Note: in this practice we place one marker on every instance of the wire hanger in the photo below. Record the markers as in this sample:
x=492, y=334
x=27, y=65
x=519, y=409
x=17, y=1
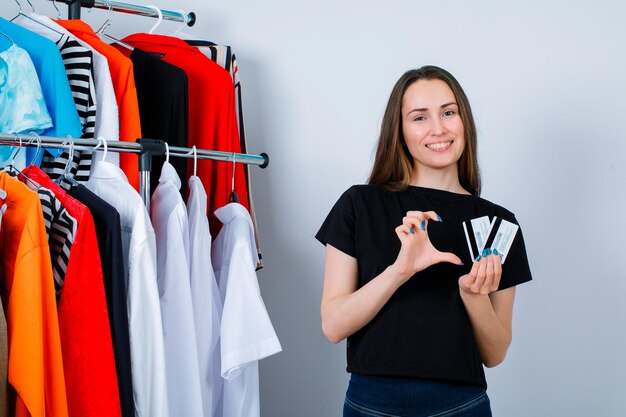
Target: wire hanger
x=193, y=152
x=102, y=141
x=167, y=152
x=70, y=159
x=160, y=17
x=233, y=198
x=107, y=24
x=38, y=146
x=54, y=3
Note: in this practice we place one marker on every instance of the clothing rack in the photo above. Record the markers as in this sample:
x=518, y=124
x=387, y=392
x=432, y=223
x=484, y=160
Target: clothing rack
x=74, y=6
x=146, y=148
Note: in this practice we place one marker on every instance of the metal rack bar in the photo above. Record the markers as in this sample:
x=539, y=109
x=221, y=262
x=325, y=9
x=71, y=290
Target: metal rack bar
x=146, y=148
x=74, y=7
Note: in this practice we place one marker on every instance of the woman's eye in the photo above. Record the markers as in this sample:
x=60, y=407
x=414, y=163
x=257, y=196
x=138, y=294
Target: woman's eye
x=449, y=113
x=419, y=118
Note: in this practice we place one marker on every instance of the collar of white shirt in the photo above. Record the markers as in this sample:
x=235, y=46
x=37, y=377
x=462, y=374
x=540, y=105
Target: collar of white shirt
x=106, y=170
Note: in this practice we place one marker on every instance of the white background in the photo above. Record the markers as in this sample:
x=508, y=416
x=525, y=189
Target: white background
x=547, y=84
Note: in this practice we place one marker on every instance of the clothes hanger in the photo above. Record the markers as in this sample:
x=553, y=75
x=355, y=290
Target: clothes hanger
x=21, y=13
x=106, y=25
x=159, y=20
x=37, y=152
x=233, y=198
x=12, y=169
x=66, y=172
x=102, y=141
x=195, y=159
x=8, y=37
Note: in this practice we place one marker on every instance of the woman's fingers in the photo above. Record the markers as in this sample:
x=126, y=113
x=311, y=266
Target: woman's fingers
x=480, y=275
x=497, y=271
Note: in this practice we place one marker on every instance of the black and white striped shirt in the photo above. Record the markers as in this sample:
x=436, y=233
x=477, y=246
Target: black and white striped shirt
x=78, y=62
x=61, y=230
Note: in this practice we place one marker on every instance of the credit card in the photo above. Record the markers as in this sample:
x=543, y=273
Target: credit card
x=501, y=236
x=476, y=233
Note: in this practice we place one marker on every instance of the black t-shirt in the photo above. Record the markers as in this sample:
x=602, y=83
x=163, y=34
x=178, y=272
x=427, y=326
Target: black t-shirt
x=423, y=331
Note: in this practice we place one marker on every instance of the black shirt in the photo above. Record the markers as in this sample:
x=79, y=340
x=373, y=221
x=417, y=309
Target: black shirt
x=162, y=95
x=109, y=234
x=423, y=331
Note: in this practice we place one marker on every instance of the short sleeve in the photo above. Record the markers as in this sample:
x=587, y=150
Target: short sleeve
x=339, y=227
x=515, y=269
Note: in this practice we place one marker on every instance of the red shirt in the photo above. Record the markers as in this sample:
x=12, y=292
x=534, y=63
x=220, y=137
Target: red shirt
x=86, y=344
x=212, y=116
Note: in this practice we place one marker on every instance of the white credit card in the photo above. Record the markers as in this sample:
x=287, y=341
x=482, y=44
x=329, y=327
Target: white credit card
x=501, y=236
x=476, y=233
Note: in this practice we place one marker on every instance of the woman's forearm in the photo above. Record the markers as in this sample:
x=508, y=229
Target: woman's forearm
x=345, y=314
x=492, y=337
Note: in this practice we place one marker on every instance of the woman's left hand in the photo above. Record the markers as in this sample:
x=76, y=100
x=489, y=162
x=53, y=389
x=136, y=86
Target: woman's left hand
x=484, y=277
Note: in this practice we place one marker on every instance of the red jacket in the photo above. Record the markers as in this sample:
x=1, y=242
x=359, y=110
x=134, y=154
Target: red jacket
x=212, y=117
x=86, y=344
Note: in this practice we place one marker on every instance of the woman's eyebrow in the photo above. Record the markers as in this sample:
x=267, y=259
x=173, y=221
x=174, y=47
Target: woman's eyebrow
x=452, y=103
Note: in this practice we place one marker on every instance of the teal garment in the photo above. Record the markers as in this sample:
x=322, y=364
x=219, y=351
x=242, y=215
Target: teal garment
x=22, y=106
x=53, y=80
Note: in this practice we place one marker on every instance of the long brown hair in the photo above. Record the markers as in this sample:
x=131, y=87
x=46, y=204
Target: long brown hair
x=393, y=164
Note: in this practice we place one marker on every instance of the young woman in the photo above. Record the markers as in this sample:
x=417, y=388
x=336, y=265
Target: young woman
x=421, y=317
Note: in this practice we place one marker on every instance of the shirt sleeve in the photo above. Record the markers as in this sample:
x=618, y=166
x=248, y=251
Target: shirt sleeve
x=339, y=227
x=515, y=269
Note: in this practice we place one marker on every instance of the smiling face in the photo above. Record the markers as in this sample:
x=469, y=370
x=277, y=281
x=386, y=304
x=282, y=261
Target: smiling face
x=432, y=126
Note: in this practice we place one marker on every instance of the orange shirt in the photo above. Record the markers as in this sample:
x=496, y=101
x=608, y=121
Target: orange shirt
x=125, y=92
x=35, y=361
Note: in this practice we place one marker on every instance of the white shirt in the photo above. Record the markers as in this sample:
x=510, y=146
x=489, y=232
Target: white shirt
x=169, y=217
x=107, y=115
x=247, y=335
x=144, y=312
x=205, y=297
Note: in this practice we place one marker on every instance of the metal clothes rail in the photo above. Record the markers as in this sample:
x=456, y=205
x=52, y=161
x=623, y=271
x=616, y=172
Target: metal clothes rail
x=74, y=7
x=145, y=148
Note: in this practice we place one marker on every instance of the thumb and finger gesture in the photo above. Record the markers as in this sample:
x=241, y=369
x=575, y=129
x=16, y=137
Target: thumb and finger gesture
x=417, y=252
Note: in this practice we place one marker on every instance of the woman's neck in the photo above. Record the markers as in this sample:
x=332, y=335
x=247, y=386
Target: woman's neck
x=446, y=179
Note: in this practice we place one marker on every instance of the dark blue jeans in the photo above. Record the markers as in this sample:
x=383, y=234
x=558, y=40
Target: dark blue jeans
x=373, y=396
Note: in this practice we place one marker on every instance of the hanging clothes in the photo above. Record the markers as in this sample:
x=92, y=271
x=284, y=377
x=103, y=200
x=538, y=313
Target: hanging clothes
x=125, y=92
x=224, y=56
x=107, y=119
x=78, y=62
x=163, y=98
x=171, y=227
x=53, y=80
x=246, y=335
x=212, y=118
x=22, y=106
x=35, y=361
x=60, y=229
x=83, y=319
x=109, y=235
x=4, y=363
x=144, y=311
x=205, y=297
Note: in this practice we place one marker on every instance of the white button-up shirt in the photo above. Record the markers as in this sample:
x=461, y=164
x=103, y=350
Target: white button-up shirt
x=144, y=312
x=247, y=335
x=205, y=297
x=169, y=217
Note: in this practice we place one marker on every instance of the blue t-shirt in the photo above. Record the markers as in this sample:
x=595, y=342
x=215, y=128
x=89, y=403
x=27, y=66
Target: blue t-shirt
x=53, y=80
x=22, y=107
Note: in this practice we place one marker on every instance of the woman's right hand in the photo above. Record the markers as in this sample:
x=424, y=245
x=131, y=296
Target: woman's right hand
x=417, y=252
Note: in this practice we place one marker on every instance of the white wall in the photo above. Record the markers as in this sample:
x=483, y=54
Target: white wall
x=546, y=81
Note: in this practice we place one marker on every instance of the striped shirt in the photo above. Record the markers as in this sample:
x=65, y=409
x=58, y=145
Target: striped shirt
x=61, y=229
x=78, y=62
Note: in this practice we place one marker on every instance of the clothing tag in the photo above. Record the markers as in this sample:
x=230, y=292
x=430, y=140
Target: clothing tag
x=476, y=232
x=501, y=236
